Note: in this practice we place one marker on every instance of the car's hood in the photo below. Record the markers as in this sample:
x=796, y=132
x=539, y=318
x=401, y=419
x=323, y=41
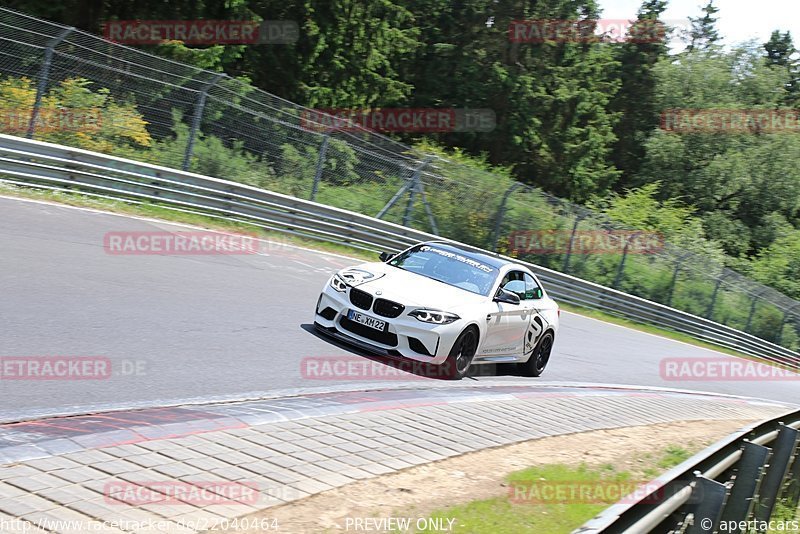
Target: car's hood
x=412, y=289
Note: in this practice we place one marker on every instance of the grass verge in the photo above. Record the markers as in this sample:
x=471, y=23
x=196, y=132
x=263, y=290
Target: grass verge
x=555, y=498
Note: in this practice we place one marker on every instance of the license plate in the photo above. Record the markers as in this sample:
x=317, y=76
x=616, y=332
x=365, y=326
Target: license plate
x=366, y=320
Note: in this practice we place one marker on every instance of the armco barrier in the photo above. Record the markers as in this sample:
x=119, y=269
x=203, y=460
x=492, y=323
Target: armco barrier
x=49, y=166
x=740, y=481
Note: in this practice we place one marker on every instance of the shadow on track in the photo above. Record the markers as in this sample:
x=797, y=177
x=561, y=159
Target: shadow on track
x=409, y=369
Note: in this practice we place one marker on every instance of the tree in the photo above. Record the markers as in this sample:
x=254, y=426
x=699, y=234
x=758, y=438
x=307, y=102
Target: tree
x=703, y=34
x=781, y=54
x=779, y=264
x=738, y=180
x=636, y=100
x=348, y=53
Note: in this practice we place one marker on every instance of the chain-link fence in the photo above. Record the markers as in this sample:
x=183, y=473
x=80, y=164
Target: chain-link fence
x=161, y=111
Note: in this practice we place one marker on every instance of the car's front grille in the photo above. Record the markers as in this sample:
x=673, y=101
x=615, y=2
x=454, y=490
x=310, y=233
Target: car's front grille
x=387, y=308
x=360, y=298
x=384, y=338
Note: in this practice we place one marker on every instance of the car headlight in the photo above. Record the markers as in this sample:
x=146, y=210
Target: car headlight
x=338, y=283
x=434, y=316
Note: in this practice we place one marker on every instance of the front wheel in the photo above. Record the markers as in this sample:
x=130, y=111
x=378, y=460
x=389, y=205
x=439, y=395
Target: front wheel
x=460, y=357
x=539, y=358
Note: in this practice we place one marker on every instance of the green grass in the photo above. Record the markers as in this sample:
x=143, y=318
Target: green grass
x=783, y=513
x=212, y=223
x=502, y=514
x=673, y=455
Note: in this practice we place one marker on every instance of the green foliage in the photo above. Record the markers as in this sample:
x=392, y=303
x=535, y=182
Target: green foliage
x=704, y=35
x=74, y=112
x=779, y=264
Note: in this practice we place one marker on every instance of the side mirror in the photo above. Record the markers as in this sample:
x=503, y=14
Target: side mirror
x=385, y=256
x=506, y=296
x=538, y=293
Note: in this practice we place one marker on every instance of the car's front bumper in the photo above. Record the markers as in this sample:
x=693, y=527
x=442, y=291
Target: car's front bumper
x=405, y=336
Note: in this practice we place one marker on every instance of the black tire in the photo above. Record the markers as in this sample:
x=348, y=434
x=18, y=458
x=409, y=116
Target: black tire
x=539, y=357
x=458, y=361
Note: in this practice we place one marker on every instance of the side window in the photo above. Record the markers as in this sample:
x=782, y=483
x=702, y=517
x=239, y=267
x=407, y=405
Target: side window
x=532, y=289
x=515, y=283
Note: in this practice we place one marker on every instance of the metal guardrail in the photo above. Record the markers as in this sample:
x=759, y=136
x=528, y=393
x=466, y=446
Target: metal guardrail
x=739, y=479
x=49, y=166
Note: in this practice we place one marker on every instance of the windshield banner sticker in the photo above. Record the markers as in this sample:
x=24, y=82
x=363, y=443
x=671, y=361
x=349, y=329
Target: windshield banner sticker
x=457, y=257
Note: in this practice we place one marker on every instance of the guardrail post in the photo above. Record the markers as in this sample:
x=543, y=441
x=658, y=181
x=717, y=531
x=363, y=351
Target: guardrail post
x=793, y=488
x=706, y=507
x=782, y=450
x=198, y=115
x=323, y=149
x=501, y=213
x=749, y=472
x=44, y=77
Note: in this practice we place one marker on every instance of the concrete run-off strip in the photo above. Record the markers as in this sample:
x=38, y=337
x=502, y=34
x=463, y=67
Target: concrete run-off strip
x=192, y=468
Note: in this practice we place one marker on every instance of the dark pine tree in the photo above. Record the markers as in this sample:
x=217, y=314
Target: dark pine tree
x=635, y=101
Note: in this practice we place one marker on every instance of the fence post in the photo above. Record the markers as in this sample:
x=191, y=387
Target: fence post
x=621, y=268
x=415, y=182
x=44, y=77
x=578, y=219
x=710, y=310
x=323, y=149
x=752, y=312
x=428, y=211
x=410, y=185
x=785, y=320
x=674, y=280
x=501, y=213
x=198, y=115
x=410, y=204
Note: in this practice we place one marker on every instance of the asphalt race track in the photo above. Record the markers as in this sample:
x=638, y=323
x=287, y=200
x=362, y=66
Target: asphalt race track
x=177, y=327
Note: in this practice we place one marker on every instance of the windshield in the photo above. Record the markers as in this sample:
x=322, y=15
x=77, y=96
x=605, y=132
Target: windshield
x=451, y=268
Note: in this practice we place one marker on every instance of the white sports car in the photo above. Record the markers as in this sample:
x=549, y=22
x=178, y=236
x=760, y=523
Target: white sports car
x=442, y=305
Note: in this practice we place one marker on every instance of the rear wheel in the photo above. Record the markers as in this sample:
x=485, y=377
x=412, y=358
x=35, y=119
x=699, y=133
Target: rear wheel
x=460, y=357
x=539, y=358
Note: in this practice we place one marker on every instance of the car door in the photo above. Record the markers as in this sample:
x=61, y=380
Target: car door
x=507, y=323
x=535, y=325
